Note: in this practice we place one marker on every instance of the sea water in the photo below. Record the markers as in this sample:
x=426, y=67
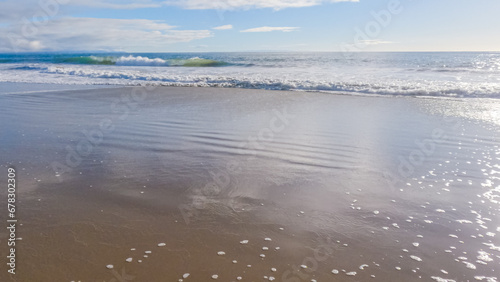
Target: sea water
x=451, y=74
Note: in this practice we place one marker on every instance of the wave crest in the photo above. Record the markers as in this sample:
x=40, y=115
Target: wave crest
x=90, y=60
x=140, y=61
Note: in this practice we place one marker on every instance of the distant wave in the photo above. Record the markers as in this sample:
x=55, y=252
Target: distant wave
x=90, y=60
x=142, y=61
x=191, y=62
x=29, y=67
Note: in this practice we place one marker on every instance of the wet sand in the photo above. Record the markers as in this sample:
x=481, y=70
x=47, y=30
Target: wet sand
x=377, y=188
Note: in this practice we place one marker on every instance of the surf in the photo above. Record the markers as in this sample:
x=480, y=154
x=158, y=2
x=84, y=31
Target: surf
x=141, y=61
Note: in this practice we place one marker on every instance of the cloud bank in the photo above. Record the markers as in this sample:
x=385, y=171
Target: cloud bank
x=248, y=4
x=48, y=25
x=94, y=34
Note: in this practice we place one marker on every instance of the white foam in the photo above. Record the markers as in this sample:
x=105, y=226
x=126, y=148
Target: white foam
x=488, y=279
x=415, y=258
x=492, y=246
x=484, y=256
x=140, y=70
x=439, y=279
x=140, y=61
x=469, y=265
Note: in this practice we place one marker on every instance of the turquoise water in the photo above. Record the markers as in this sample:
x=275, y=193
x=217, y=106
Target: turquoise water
x=415, y=74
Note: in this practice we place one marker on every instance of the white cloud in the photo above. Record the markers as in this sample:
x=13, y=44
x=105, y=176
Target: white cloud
x=202, y=46
x=270, y=28
x=248, y=4
x=223, y=27
x=13, y=11
x=375, y=42
x=116, y=4
x=95, y=34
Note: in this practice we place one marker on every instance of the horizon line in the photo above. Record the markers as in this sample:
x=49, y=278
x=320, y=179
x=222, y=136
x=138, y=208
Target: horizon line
x=246, y=51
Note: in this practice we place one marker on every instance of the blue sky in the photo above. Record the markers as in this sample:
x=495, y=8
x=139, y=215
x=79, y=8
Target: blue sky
x=245, y=25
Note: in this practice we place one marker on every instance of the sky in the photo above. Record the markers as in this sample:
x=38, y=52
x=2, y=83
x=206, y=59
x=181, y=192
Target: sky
x=246, y=25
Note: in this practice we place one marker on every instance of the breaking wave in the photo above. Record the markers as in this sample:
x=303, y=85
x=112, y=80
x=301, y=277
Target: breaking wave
x=142, y=61
x=407, y=74
x=90, y=75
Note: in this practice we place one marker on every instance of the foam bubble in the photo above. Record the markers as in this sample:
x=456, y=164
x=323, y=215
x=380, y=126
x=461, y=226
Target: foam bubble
x=352, y=273
x=439, y=279
x=415, y=258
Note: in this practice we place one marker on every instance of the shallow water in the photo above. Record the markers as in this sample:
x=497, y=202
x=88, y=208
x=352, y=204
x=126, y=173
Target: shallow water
x=404, y=189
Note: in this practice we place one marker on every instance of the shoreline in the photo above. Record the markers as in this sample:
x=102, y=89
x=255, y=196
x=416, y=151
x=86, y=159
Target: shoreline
x=72, y=87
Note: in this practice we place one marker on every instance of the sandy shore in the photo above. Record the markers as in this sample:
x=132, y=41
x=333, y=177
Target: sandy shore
x=376, y=188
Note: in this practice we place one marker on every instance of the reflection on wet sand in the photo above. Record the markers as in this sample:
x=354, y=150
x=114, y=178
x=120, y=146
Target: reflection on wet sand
x=229, y=184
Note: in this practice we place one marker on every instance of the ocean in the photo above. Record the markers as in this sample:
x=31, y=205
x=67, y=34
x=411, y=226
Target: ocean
x=464, y=75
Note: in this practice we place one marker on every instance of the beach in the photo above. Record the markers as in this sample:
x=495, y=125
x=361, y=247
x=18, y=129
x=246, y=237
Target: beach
x=251, y=183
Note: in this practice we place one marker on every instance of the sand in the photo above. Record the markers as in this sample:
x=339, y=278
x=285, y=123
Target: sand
x=228, y=184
